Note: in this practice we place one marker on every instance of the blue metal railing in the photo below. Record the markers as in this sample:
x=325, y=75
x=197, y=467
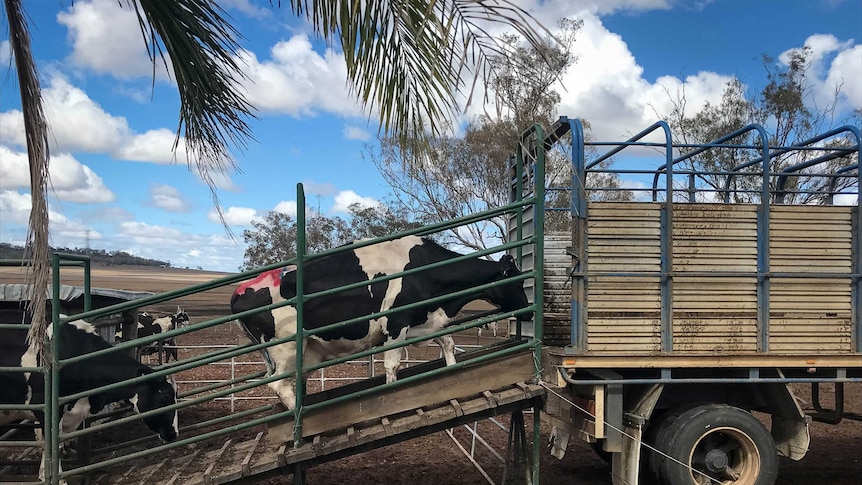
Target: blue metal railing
x=770, y=190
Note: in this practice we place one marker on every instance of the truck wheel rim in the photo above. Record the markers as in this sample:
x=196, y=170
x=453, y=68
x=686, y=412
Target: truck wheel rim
x=726, y=456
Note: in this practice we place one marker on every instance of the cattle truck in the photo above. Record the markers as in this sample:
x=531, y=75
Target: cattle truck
x=690, y=290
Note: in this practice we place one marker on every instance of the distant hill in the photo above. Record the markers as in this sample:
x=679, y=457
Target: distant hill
x=97, y=256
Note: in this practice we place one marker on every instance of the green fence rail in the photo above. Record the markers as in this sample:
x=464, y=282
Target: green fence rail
x=528, y=165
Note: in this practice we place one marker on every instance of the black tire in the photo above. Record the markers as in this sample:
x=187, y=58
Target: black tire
x=724, y=443
x=658, y=427
x=649, y=458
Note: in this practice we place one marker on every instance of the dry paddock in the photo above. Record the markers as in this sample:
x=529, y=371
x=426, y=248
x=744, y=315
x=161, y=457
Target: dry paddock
x=835, y=456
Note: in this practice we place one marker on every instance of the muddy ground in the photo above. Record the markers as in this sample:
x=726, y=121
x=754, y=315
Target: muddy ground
x=835, y=455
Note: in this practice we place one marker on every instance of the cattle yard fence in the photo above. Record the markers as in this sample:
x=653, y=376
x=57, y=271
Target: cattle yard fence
x=520, y=352
x=322, y=380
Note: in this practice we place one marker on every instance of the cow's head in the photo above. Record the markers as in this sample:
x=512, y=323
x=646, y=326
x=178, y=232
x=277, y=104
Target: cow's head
x=155, y=394
x=509, y=296
x=180, y=319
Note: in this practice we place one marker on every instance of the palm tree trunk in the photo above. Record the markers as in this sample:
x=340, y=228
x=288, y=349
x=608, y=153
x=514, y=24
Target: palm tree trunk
x=36, y=132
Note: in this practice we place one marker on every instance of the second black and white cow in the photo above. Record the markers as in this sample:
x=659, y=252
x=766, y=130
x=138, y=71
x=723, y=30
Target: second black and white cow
x=80, y=338
x=149, y=325
x=366, y=264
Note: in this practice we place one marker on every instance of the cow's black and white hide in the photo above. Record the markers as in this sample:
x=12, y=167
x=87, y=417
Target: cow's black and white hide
x=80, y=338
x=149, y=325
x=365, y=264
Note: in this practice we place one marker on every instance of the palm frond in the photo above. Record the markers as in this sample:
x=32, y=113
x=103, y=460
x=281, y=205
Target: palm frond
x=198, y=44
x=409, y=57
x=36, y=132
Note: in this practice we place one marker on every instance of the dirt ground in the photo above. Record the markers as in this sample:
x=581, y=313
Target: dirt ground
x=834, y=458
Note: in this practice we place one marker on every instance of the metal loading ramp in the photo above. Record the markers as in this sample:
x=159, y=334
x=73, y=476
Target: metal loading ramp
x=493, y=387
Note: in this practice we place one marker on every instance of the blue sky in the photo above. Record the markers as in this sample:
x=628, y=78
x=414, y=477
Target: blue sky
x=117, y=183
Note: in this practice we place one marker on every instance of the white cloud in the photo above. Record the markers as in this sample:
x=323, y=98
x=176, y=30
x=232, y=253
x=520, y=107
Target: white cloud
x=356, y=133
x=821, y=45
x=106, y=214
x=76, y=182
x=168, y=198
x=180, y=248
x=15, y=209
x=77, y=123
x=835, y=65
x=846, y=71
x=246, y=7
x=298, y=81
x=14, y=169
x=220, y=181
x=345, y=198
x=69, y=180
x=153, y=146
x=235, y=216
x=150, y=235
x=549, y=12
x=12, y=127
x=106, y=39
x=211, y=251
x=286, y=207
x=845, y=199
x=72, y=233
x=5, y=52
x=615, y=98
x=699, y=89
x=312, y=187
x=606, y=86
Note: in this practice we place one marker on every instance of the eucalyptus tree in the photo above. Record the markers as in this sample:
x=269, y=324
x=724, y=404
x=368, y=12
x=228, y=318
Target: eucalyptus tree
x=274, y=237
x=462, y=175
x=411, y=59
x=786, y=107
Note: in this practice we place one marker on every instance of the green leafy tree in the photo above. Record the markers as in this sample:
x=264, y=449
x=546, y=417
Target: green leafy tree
x=459, y=176
x=269, y=241
x=273, y=239
x=407, y=58
x=378, y=221
x=784, y=107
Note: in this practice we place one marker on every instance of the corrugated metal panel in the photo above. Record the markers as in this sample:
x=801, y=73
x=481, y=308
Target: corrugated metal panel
x=21, y=292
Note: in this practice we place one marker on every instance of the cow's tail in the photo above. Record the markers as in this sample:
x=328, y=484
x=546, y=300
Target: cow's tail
x=257, y=339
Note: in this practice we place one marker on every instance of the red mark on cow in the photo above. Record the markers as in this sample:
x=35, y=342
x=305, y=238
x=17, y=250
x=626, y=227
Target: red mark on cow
x=268, y=279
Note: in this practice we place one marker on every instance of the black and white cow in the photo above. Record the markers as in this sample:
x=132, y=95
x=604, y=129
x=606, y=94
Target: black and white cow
x=149, y=325
x=365, y=264
x=79, y=338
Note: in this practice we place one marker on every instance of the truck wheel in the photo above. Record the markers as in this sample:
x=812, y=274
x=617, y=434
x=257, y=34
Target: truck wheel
x=718, y=444
x=660, y=424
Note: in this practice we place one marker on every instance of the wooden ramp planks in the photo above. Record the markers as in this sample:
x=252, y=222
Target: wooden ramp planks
x=473, y=379
x=476, y=391
x=263, y=457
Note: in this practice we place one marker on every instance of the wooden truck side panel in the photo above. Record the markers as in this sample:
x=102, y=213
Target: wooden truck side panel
x=714, y=290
